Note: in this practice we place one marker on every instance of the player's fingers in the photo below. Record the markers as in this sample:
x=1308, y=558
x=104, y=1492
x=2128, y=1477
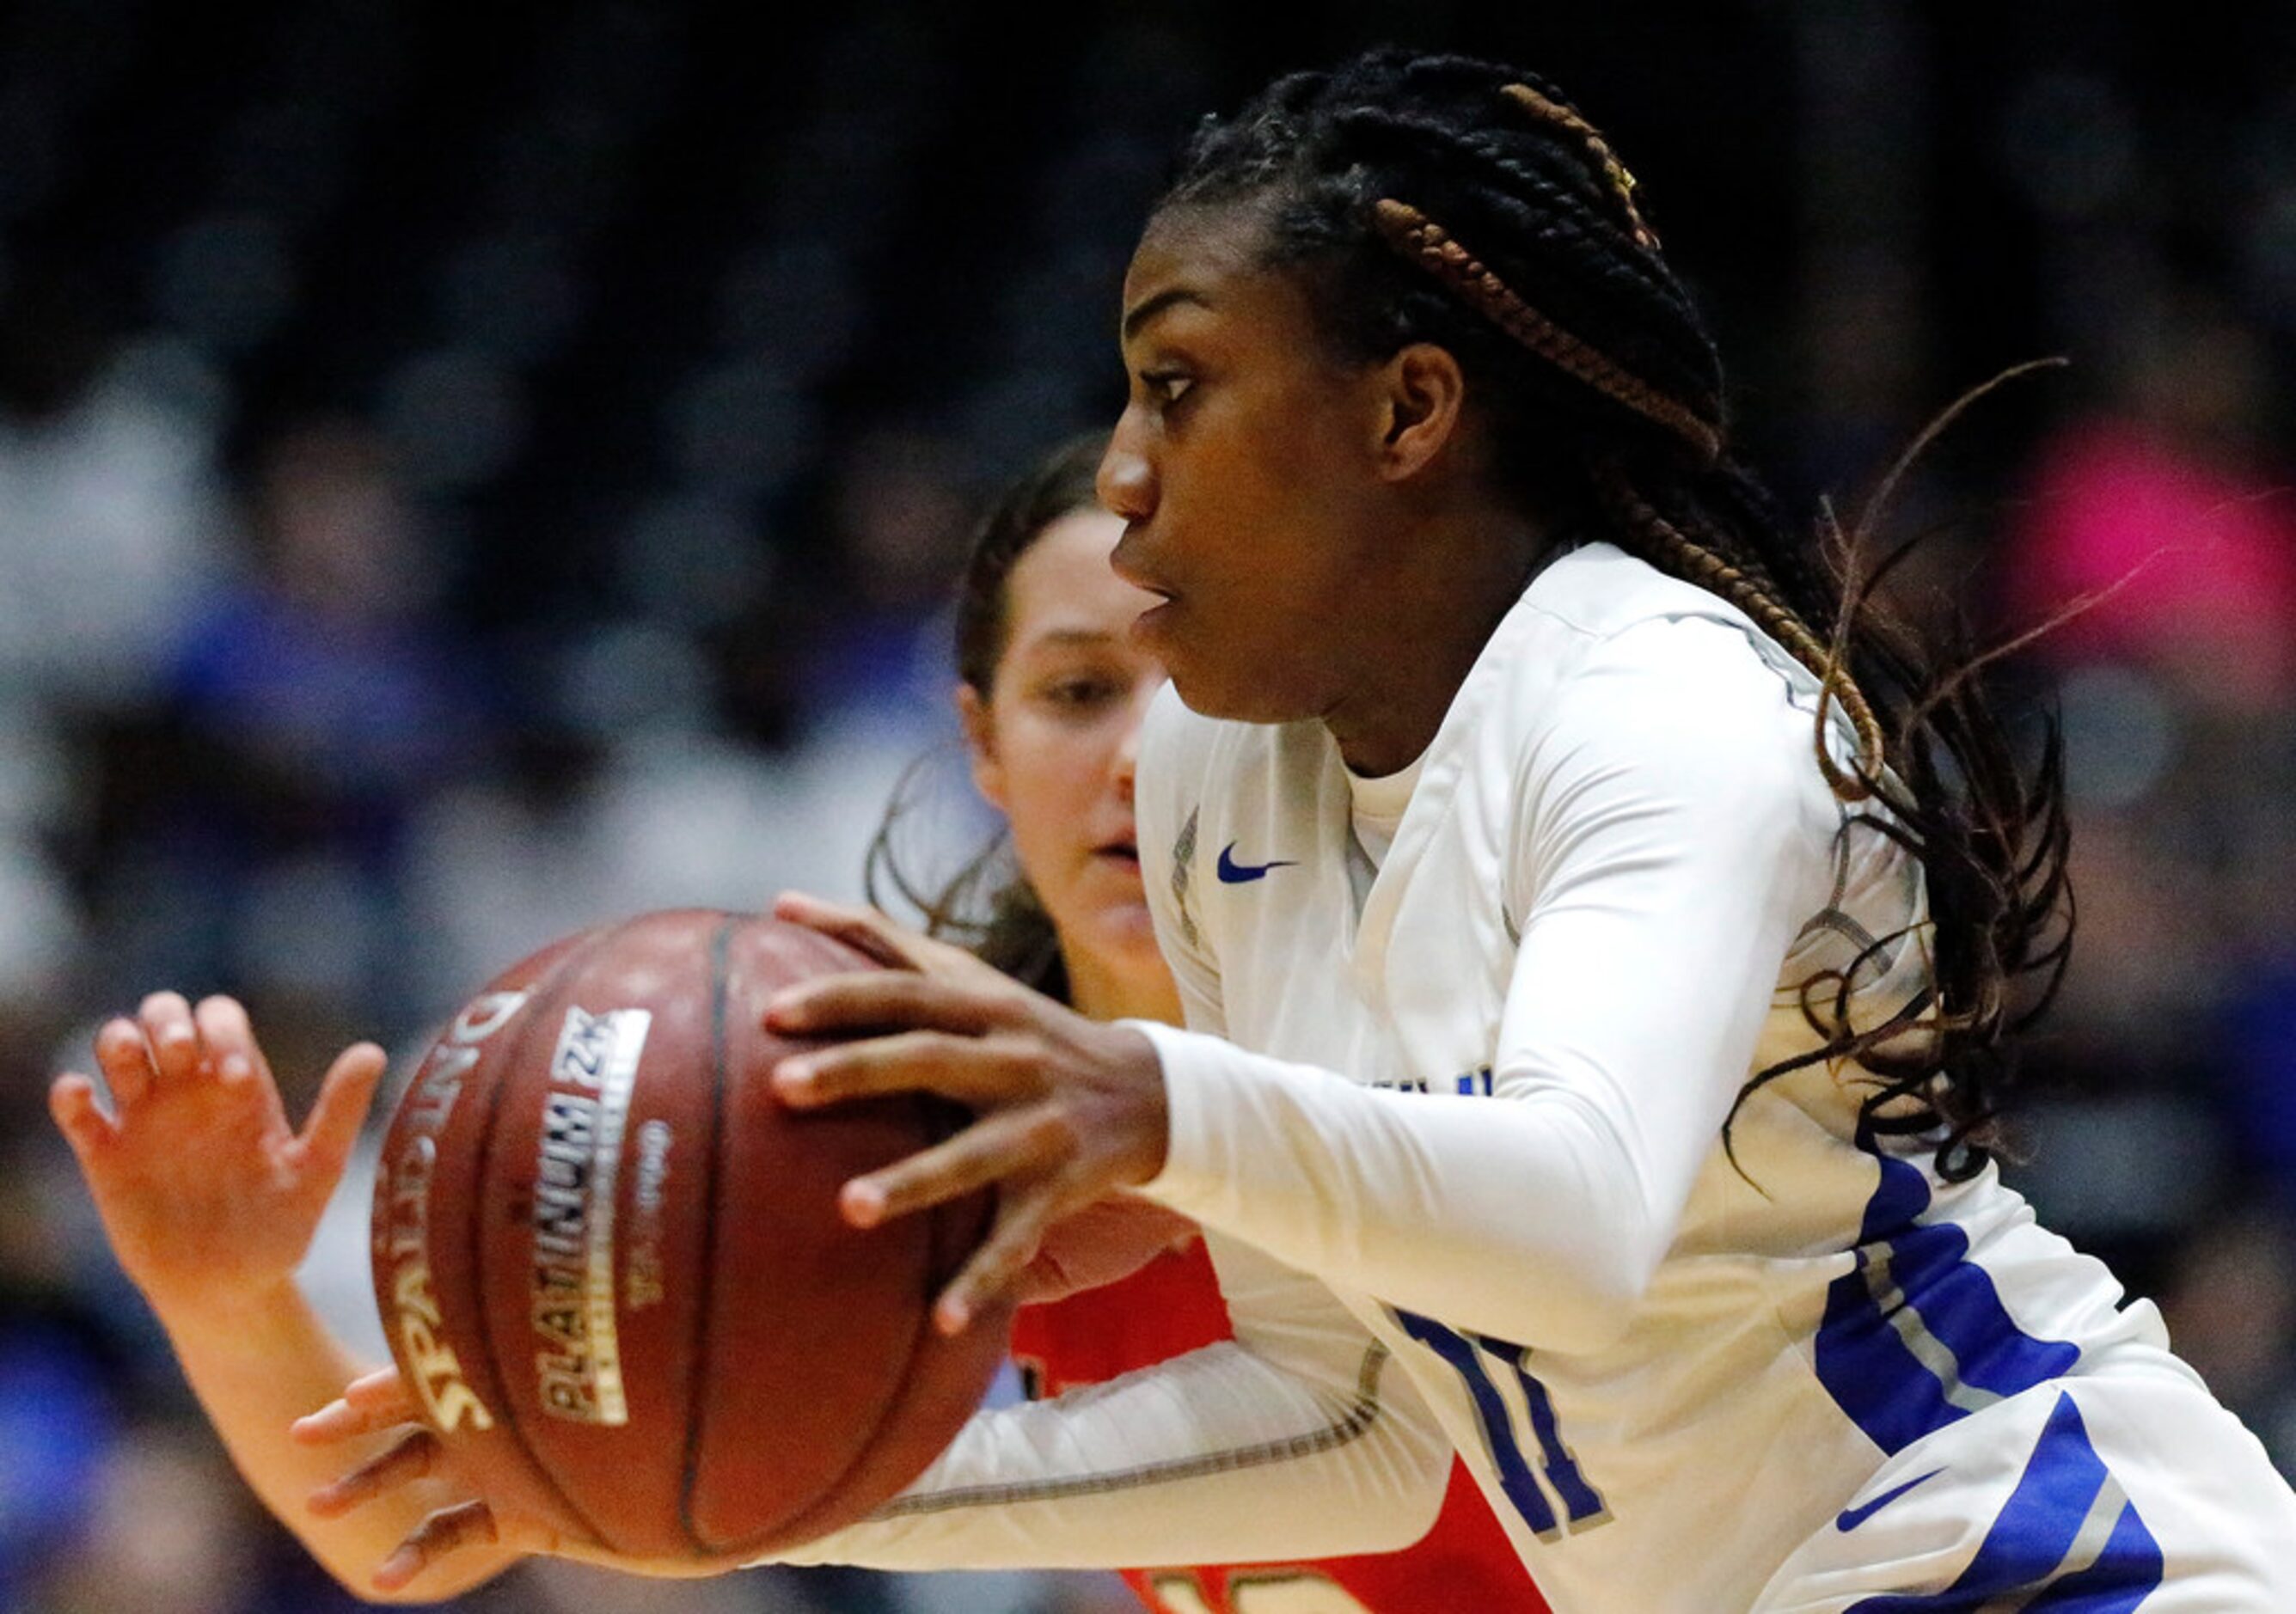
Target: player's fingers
x=410, y=1457
x=992, y=1148
x=230, y=1042
x=882, y=937
x=966, y=1069
x=124, y=1054
x=891, y=1000
x=993, y=1272
x=175, y=1038
x=341, y=1107
x=863, y=929
x=233, y=1066
x=465, y=1524
x=372, y=1401
x=71, y=1102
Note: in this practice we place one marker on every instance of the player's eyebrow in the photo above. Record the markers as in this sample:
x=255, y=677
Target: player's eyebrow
x=1166, y=299
x=1061, y=637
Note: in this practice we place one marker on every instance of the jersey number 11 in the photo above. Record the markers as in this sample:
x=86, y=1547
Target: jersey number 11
x=1507, y=1419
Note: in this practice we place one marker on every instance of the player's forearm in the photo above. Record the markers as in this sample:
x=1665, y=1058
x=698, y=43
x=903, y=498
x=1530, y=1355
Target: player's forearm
x=1416, y=1199
x=258, y=1363
x=1217, y=1456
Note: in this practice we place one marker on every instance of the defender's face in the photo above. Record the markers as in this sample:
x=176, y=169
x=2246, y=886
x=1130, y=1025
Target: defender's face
x=1243, y=468
x=1055, y=735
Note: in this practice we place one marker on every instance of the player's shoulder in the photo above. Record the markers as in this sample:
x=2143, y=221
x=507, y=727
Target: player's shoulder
x=1605, y=600
x=1599, y=617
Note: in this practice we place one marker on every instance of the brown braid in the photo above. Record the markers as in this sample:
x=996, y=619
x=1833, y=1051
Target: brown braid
x=1427, y=243
x=1623, y=183
x=1671, y=551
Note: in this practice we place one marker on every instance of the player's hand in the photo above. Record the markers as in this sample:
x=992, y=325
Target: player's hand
x=208, y=1193
x=458, y=1519
x=872, y=932
x=380, y=1403
x=1108, y=1240
x=1068, y=1111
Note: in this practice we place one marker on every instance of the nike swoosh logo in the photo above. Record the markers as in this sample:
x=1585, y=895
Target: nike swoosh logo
x=1850, y=1519
x=1234, y=873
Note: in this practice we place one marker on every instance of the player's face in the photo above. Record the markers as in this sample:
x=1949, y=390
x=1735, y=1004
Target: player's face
x=1054, y=737
x=1243, y=467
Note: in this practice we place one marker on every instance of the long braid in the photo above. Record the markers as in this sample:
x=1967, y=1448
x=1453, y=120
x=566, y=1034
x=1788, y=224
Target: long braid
x=1440, y=199
x=1546, y=181
x=1662, y=543
x=1745, y=582
x=1421, y=238
x=1554, y=111
x=1413, y=233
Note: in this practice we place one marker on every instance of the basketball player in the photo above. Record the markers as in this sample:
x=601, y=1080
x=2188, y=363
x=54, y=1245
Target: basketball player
x=1600, y=930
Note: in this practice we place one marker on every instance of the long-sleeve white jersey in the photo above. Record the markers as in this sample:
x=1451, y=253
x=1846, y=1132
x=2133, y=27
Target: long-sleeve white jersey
x=1481, y=1091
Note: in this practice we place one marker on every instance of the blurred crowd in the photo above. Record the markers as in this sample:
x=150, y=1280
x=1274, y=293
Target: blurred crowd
x=466, y=478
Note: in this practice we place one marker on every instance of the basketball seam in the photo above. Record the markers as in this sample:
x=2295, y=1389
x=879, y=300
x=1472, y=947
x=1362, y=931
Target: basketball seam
x=551, y=983
x=698, y=1364
x=797, y=1524
x=1362, y=1412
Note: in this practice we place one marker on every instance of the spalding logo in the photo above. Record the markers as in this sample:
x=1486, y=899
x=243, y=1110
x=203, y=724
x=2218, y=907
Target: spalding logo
x=403, y=1239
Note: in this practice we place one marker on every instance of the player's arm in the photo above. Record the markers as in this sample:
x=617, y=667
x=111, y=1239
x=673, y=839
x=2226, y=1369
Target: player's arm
x=1675, y=834
x=1681, y=832
x=209, y=1198
x=1297, y=1439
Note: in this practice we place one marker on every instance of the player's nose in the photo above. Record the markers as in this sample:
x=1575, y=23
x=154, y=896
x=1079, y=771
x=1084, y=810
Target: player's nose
x=1126, y=483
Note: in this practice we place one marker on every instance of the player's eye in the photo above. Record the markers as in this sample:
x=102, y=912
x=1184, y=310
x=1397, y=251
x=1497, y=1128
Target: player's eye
x=1166, y=387
x=1082, y=693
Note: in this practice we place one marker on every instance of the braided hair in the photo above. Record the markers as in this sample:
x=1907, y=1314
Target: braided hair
x=1445, y=200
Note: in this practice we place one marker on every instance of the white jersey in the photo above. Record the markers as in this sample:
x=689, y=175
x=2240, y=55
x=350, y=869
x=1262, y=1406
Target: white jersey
x=1479, y=1089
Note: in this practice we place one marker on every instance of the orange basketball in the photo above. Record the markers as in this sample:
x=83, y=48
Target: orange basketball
x=611, y=1266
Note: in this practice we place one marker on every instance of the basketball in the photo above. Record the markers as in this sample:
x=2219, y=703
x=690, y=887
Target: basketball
x=611, y=1267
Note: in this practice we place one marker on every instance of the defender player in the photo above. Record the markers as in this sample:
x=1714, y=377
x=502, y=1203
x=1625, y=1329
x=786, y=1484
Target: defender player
x=1052, y=694
x=1601, y=930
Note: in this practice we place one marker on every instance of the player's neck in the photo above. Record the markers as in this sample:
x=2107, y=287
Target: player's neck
x=1453, y=581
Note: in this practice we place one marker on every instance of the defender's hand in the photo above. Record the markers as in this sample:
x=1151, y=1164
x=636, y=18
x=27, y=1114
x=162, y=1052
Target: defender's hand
x=208, y=1193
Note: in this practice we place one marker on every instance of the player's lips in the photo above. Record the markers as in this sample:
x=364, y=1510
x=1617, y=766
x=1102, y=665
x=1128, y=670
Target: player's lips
x=1125, y=568
x=1148, y=628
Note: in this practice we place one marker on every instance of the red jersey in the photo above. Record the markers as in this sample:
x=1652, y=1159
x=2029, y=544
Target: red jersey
x=1173, y=1305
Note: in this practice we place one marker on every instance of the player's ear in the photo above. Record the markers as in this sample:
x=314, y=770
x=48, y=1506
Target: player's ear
x=1422, y=392
x=980, y=745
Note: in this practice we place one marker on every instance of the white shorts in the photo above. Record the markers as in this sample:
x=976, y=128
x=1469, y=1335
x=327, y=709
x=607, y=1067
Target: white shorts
x=2105, y=1491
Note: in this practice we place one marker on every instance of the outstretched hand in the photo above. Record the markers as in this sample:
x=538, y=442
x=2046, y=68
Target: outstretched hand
x=1068, y=1111
x=207, y=1193
x=380, y=1403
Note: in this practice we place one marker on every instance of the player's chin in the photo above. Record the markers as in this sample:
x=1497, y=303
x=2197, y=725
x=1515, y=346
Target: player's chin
x=1120, y=922
x=1217, y=687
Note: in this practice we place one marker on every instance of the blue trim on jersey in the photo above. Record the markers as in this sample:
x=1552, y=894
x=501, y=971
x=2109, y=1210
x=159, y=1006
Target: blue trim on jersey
x=2049, y=1522
x=1914, y=1334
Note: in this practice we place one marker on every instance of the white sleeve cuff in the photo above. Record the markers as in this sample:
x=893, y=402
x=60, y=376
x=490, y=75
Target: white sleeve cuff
x=1194, y=1158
